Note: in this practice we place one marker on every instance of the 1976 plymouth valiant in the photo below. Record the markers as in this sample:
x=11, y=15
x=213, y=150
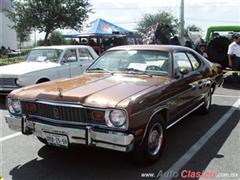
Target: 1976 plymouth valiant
x=124, y=101
x=44, y=64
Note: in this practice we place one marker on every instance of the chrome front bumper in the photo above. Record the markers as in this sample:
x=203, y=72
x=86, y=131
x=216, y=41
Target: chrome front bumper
x=118, y=141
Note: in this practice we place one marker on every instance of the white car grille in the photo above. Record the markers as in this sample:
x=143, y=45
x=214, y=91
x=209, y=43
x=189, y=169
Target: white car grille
x=7, y=82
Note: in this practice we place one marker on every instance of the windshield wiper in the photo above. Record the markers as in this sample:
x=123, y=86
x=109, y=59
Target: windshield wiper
x=101, y=69
x=134, y=71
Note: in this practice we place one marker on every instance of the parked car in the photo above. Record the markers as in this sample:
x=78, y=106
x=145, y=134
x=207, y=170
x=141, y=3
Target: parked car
x=44, y=64
x=124, y=101
x=101, y=42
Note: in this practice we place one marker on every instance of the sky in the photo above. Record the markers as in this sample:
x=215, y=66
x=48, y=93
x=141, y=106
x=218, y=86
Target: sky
x=204, y=13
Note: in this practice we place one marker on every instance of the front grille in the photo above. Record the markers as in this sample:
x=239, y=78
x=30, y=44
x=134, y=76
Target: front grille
x=7, y=82
x=64, y=113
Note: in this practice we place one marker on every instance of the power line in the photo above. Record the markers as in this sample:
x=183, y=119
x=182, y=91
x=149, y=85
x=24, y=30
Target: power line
x=213, y=20
x=160, y=7
x=130, y=22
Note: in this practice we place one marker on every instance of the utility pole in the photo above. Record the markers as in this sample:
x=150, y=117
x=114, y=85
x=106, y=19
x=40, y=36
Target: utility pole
x=182, y=17
x=35, y=39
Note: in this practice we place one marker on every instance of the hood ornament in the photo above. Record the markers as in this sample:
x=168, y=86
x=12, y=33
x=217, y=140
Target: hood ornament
x=59, y=92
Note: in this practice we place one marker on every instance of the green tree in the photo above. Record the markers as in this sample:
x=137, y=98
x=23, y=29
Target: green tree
x=41, y=42
x=48, y=15
x=22, y=36
x=165, y=16
x=55, y=38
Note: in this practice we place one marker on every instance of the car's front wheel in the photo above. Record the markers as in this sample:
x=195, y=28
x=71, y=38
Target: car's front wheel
x=152, y=146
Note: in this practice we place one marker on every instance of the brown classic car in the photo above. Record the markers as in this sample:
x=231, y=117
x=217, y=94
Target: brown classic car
x=124, y=101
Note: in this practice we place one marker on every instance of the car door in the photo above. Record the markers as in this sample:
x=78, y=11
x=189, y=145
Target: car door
x=70, y=64
x=187, y=85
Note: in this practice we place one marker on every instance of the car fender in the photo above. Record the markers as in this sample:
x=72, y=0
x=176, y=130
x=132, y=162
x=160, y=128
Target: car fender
x=30, y=79
x=163, y=110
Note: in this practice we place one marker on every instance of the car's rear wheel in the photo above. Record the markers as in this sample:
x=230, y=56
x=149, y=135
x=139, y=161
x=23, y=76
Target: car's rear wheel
x=205, y=108
x=152, y=146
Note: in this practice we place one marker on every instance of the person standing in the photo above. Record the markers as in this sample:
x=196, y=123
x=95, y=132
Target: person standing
x=4, y=53
x=48, y=43
x=234, y=58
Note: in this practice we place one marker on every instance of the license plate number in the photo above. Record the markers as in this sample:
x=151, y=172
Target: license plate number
x=57, y=140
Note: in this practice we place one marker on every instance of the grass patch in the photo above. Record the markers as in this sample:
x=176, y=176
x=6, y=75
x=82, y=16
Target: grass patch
x=12, y=60
x=16, y=59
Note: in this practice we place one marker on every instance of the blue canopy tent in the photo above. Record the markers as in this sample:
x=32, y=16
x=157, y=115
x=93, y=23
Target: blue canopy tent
x=102, y=27
x=69, y=34
x=97, y=27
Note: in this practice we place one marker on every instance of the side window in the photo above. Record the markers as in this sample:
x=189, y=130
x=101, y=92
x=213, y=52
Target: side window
x=84, y=55
x=83, y=40
x=194, y=61
x=181, y=61
x=93, y=41
x=69, y=56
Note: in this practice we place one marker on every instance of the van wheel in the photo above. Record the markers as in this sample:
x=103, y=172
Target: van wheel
x=152, y=146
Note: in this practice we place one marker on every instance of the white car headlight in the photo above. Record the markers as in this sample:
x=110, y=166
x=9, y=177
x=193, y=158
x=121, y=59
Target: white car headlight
x=14, y=106
x=17, y=82
x=115, y=118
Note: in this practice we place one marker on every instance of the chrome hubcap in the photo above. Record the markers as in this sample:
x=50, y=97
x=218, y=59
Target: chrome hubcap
x=155, y=139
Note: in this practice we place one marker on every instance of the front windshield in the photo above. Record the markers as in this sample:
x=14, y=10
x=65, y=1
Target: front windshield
x=40, y=55
x=141, y=61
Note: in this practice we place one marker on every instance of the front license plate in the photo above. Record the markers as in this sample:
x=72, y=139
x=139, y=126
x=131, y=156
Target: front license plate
x=57, y=140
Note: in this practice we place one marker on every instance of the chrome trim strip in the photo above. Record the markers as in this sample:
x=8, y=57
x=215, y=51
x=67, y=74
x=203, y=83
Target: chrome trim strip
x=166, y=121
x=88, y=135
x=59, y=104
x=184, y=115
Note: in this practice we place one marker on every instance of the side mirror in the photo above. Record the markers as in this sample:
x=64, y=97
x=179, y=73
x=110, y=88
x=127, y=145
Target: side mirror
x=184, y=71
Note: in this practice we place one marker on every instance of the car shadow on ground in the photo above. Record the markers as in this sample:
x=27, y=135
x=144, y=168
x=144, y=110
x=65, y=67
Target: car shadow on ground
x=95, y=163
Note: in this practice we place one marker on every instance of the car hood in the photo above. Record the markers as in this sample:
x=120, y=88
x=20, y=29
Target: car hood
x=100, y=90
x=25, y=67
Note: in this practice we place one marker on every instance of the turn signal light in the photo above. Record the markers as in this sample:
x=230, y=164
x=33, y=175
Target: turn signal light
x=31, y=107
x=138, y=132
x=98, y=115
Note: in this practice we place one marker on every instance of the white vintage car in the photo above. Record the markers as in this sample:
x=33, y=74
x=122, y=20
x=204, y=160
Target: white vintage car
x=44, y=64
